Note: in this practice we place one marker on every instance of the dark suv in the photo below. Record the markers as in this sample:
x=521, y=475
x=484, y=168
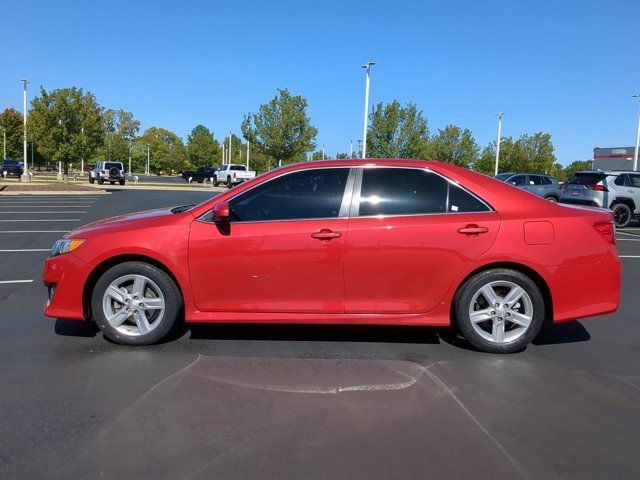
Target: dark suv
x=544, y=186
x=12, y=167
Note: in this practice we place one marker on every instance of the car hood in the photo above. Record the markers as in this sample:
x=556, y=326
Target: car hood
x=126, y=221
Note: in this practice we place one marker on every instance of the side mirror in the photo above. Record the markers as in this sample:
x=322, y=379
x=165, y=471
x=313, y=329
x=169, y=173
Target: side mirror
x=221, y=212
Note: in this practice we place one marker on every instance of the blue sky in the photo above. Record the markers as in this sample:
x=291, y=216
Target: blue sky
x=564, y=67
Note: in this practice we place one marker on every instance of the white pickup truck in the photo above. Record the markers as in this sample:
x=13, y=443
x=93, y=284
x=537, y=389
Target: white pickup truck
x=232, y=175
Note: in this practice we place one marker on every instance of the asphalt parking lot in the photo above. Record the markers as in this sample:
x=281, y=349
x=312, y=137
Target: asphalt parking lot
x=301, y=401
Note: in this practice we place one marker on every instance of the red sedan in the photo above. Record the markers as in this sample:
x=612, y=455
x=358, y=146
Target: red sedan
x=351, y=241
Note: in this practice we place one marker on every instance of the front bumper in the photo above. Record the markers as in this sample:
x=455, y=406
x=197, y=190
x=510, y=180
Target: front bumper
x=65, y=276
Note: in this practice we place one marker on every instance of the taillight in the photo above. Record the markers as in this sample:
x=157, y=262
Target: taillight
x=599, y=188
x=606, y=230
x=234, y=174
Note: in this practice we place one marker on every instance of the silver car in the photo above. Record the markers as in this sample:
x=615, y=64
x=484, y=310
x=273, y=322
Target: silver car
x=617, y=190
x=544, y=186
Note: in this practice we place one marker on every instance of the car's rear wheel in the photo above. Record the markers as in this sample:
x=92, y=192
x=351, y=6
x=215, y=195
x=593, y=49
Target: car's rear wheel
x=621, y=215
x=135, y=303
x=100, y=181
x=91, y=179
x=551, y=199
x=499, y=310
x=229, y=182
x=215, y=181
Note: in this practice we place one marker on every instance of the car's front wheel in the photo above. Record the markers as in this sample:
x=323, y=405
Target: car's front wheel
x=91, y=179
x=135, y=303
x=499, y=310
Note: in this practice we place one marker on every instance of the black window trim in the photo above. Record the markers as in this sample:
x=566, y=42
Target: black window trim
x=355, y=198
x=343, y=213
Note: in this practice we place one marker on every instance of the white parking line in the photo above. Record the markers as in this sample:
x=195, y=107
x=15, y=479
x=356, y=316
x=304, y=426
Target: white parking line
x=628, y=256
x=41, y=205
x=34, y=231
x=47, y=220
x=15, y=281
x=630, y=234
x=27, y=250
x=627, y=239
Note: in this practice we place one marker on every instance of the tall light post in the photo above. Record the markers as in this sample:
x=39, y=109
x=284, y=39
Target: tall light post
x=148, y=160
x=25, y=175
x=351, y=149
x=229, y=149
x=367, y=66
x=635, y=154
x=4, y=142
x=499, y=115
x=247, y=154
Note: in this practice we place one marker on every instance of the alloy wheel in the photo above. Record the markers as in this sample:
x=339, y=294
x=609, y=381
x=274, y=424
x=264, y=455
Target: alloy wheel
x=501, y=312
x=133, y=304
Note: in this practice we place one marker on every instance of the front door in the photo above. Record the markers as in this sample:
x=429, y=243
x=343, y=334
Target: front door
x=410, y=235
x=282, y=250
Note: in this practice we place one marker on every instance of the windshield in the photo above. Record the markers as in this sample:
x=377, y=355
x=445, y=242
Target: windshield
x=503, y=176
x=586, y=178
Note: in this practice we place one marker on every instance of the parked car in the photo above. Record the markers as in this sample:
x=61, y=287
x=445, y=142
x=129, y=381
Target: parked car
x=89, y=168
x=231, y=174
x=12, y=167
x=199, y=174
x=111, y=172
x=616, y=190
x=544, y=186
x=344, y=241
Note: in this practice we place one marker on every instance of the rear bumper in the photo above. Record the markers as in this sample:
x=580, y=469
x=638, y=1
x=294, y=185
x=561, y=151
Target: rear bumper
x=587, y=290
x=66, y=275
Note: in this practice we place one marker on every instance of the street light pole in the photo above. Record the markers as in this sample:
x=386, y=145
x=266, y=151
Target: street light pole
x=635, y=154
x=499, y=115
x=367, y=66
x=351, y=149
x=247, y=154
x=148, y=158
x=130, y=146
x=25, y=175
x=229, y=149
x=4, y=142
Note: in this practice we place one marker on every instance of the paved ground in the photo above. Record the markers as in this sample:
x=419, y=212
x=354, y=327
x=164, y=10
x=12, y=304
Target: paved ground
x=301, y=402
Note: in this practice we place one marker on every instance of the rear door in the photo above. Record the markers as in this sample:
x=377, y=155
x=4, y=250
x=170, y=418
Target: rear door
x=410, y=234
x=634, y=190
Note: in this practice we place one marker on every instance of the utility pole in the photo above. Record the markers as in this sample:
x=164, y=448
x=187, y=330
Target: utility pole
x=229, y=149
x=247, y=155
x=148, y=158
x=130, y=157
x=4, y=142
x=323, y=152
x=635, y=154
x=367, y=66
x=25, y=175
x=351, y=149
x=499, y=115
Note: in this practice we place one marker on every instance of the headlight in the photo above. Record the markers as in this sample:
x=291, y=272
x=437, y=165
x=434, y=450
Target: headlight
x=66, y=246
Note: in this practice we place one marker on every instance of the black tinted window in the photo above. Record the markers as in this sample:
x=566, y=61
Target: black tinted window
x=237, y=167
x=300, y=195
x=109, y=165
x=635, y=180
x=518, y=180
x=622, y=180
x=586, y=178
x=535, y=180
x=547, y=181
x=403, y=191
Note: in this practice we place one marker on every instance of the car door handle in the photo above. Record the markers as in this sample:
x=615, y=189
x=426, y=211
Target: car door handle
x=472, y=229
x=325, y=234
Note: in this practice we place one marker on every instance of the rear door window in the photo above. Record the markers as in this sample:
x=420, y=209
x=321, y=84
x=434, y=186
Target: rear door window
x=518, y=180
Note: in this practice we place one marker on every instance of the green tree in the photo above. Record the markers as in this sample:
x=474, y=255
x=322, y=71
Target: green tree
x=120, y=129
x=167, y=152
x=454, y=145
x=397, y=131
x=238, y=149
x=342, y=155
x=202, y=148
x=281, y=128
x=530, y=153
x=11, y=125
x=66, y=125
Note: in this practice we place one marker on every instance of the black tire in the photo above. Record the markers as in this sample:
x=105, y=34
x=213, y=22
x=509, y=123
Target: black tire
x=229, y=182
x=552, y=199
x=215, y=181
x=171, y=293
x=91, y=179
x=112, y=183
x=622, y=215
x=121, y=182
x=465, y=295
x=100, y=181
